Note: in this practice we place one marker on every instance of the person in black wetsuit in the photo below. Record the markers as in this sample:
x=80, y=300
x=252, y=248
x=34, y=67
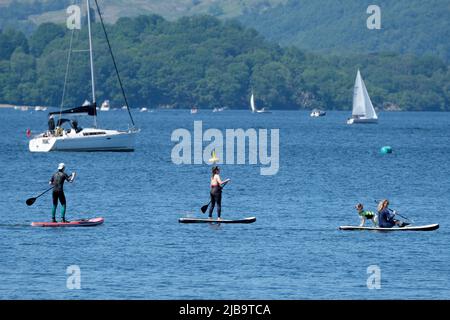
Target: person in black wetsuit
x=57, y=181
x=216, y=191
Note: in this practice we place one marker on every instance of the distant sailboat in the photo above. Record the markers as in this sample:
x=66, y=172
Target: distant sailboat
x=253, y=106
x=363, y=111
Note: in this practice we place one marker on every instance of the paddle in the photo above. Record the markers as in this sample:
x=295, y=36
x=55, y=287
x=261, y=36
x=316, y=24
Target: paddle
x=398, y=214
x=205, y=207
x=32, y=200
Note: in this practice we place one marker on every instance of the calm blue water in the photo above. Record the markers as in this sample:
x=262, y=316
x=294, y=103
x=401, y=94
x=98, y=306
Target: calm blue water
x=293, y=251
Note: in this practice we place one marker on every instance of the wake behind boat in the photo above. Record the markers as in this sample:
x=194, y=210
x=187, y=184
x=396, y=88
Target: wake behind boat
x=429, y=227
x=75, y=138
x=363, y=110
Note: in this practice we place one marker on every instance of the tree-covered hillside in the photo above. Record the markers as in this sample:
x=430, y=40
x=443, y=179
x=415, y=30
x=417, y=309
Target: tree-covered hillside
x=407, y=26
x=207, y=62
x=328, y=26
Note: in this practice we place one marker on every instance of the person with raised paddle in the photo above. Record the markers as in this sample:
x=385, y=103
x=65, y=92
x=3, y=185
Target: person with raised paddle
x=57, y=181
x=386, y=216
x=216, y=192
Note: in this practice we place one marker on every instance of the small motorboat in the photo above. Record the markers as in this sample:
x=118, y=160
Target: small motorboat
x=317, y=113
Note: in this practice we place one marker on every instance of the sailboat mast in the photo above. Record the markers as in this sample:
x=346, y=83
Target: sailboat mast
x=88, y=5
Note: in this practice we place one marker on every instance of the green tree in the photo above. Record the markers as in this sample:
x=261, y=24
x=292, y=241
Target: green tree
x=45, y=33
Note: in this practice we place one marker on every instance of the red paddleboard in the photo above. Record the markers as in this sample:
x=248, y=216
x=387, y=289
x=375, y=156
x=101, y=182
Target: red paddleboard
x=76, y=223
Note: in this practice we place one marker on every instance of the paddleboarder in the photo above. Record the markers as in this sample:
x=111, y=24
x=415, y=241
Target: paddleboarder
x=365, y=215
x=386, y=216
x=57, y=181
x=216, y=191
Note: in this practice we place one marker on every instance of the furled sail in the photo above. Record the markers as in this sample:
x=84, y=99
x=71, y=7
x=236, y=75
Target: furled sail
x=90, y=110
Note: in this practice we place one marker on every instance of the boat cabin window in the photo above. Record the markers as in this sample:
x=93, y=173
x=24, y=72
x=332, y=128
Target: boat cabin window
x=95, y=133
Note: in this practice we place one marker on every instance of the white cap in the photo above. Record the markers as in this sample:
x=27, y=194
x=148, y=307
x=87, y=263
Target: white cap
x=61, y=166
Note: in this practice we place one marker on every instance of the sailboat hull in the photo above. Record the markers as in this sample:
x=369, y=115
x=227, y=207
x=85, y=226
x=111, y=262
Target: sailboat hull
x=88, y=140
x=361, y=120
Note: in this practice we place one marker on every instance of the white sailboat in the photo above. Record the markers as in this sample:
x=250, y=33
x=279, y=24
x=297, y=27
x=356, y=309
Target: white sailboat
x=363, y=110
x=254, y=108
x=75, y=138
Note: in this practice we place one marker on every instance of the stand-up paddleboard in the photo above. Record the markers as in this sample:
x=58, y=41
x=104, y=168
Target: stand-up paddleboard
x=203, y=220
x=76, y=223
x=429, y=227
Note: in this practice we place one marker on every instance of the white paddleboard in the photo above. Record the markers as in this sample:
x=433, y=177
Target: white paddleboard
x=429, y=227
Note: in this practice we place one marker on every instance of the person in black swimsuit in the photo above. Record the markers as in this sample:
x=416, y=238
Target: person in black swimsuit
x=216, y=191
x=57, y=181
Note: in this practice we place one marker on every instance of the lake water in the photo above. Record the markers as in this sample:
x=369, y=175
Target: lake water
x=294, y=249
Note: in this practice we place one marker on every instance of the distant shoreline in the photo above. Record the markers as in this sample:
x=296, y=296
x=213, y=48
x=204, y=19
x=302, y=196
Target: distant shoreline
x=23, y=108
x=11, y=106
x=6, y=106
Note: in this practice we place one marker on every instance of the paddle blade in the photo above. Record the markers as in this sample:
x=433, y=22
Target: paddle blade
x=30, y=201
x=204, y=208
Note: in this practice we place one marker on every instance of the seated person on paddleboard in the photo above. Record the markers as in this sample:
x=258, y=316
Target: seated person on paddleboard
x=386, y=216
x=216, y=191
x=57, y=181
x=365, y=215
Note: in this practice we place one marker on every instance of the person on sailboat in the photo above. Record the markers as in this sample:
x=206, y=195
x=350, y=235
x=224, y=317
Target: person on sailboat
x=75, y=126
x=216, y=191
x=51, y=125
x=57, y=180
x=386, y=216
x=365, y=215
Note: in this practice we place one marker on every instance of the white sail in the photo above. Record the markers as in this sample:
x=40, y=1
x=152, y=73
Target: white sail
x=362, y=105
x=252, y=103
x=362, y=111
x=253, y=106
